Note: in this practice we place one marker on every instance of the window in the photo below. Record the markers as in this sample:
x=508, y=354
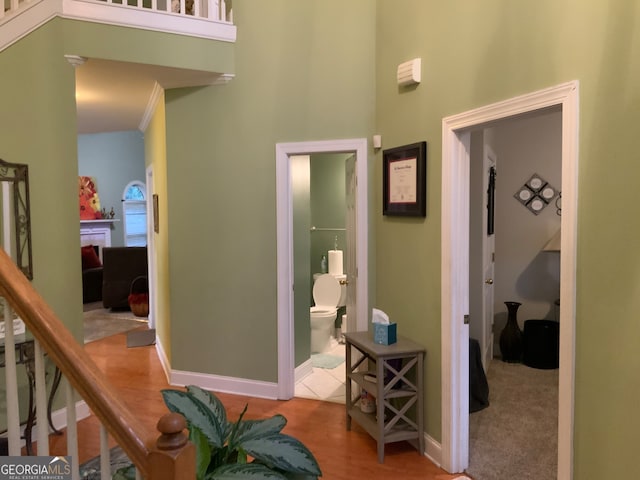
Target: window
x=134, y=209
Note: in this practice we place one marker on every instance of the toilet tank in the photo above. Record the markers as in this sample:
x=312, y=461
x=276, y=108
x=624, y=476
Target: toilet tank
x=343, y=290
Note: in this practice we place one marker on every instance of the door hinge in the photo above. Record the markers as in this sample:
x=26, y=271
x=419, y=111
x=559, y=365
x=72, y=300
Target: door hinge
x=466, y=319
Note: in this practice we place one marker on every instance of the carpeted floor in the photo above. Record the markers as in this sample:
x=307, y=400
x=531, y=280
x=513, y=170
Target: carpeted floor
x=516, y=436
x=101, y=322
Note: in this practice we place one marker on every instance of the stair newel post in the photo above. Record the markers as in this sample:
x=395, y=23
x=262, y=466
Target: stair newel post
x=173, y=457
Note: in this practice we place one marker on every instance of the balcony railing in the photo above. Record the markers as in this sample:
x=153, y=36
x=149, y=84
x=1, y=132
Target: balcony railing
x=212, y=19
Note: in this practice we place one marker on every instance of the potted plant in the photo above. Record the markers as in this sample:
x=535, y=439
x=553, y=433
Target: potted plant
x=247, y=449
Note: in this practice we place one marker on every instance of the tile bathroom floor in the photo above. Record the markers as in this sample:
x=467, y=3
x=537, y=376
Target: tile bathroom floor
x=325, y=384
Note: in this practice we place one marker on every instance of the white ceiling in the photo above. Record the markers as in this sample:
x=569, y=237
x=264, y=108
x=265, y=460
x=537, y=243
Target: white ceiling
x=113, y=96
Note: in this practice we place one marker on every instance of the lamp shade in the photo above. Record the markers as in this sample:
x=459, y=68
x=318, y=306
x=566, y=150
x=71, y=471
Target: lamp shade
x=553, y=245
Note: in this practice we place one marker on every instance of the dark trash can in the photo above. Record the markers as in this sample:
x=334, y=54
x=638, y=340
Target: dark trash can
x=541, y=344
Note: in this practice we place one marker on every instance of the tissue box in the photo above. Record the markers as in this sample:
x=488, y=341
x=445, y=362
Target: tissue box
x=385, y=334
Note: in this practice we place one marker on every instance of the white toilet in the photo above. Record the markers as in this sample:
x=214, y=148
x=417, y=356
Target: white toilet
x=328, y=295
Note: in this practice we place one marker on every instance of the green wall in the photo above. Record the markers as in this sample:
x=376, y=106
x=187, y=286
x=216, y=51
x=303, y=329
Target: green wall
x=301, y=211
x=321, y=70
x=478, y=53
x=328, y=206
x=114, y=159
x=293, y=83
x=38, y=128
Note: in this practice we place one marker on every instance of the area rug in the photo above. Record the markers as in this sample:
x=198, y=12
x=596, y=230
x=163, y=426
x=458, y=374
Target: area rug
x=102, y=322
x=324, y=360
x=90, y=470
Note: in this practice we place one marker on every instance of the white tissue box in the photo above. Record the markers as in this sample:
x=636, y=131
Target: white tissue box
x=18, y=327
x=385, y=333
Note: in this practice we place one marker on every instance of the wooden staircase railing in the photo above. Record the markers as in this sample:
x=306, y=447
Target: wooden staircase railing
x=170, y=457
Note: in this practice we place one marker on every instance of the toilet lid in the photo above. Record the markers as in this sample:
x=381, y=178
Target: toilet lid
x=326, y=290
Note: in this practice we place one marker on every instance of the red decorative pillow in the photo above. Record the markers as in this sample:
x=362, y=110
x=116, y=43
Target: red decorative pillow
x=89, y=257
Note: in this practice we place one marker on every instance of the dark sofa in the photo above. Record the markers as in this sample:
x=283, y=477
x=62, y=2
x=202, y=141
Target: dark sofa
x=91, y=274
x=121, y=266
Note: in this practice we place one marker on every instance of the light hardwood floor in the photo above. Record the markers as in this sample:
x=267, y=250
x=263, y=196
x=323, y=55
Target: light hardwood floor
x=138, y=377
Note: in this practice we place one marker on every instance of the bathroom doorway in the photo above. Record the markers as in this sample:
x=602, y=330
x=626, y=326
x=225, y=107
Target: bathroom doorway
x=323, y=245
x=356, y=249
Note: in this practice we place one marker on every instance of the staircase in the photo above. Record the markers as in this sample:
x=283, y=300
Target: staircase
x=167, y=455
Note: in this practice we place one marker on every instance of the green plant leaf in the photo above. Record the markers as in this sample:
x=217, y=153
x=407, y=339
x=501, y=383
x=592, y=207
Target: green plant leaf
x=203, y=451
x=253, y=429
x=197, y=414
x=283, y=452
x=214, y=404
x=125, y=473
x=246, y=471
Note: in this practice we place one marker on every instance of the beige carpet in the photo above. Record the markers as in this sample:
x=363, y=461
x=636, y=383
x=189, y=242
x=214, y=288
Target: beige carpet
x=516, y=436
x=102, y=322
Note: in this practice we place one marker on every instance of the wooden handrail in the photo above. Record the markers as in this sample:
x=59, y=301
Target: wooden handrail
x=83, y=374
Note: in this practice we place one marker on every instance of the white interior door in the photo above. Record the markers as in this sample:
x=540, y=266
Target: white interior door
x=350, y=224
x=488, y=254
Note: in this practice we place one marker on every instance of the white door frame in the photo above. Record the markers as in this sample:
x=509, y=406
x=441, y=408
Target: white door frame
x=455, y=271
x=284, y=215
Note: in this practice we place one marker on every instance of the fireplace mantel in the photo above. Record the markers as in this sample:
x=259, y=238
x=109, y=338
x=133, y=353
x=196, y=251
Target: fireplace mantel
x=97, y=232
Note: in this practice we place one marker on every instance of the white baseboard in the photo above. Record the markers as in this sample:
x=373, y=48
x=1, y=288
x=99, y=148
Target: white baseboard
x=433, y=450
x=59, y=419
x=303, y=371
x=218, y=383
x=164, y=360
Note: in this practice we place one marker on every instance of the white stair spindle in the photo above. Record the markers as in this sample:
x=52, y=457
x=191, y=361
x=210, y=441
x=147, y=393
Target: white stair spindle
x=72, y=431
x=41, y=402
x=105, y=455
x=11, y=378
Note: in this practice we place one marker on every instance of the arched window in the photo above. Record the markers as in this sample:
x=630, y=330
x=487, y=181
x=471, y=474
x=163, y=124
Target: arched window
x=134, y=213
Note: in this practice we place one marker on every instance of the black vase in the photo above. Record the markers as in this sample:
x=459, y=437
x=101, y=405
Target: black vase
x=511, y=336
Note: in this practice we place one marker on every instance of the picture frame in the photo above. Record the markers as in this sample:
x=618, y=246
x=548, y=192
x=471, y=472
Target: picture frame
x=156, y=215
x=404, y=188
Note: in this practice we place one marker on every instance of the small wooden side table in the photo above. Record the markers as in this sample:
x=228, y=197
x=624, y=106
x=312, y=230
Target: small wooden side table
x=397, y=387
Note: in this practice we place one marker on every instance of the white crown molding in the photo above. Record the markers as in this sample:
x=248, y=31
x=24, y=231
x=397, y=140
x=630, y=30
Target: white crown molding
x=152, y=104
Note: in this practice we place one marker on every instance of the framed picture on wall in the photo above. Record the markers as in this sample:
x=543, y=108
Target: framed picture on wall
x=404, y=176
x=156, y=216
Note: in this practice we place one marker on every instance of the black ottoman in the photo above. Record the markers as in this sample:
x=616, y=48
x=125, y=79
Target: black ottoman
x=541, y=344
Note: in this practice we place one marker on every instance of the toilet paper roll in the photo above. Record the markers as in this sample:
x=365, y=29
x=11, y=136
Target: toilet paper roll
x=335, y=262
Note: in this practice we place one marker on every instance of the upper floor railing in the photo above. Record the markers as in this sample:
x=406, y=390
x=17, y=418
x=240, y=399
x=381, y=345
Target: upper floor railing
x=212, y=19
